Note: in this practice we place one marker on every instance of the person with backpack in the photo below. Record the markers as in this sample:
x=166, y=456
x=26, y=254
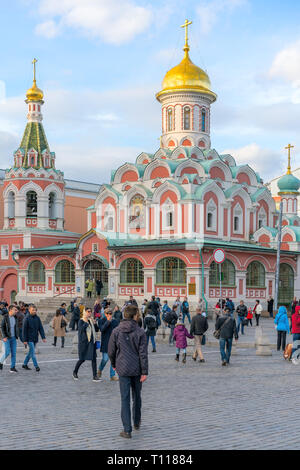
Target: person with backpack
x=229, y=304
x=226, y=327
x=282, y=326
x=180, y=335
x=150, y=328
x=171, y=320
x=165, y=310
x=154, y=306
x=242, y=312
x=199, y=326
x=106, y=326
x=185, y=309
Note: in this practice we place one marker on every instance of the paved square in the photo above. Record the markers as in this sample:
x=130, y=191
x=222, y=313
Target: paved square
x=248, y=405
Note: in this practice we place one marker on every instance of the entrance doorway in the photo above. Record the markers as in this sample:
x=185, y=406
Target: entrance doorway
x=95, y=270
x=286, y=285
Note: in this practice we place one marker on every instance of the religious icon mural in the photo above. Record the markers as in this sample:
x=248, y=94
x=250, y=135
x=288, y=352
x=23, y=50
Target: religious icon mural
x=137, y=212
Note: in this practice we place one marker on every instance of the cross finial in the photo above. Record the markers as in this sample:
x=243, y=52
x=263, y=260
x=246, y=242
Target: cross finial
x=289, y=147
x=34, y=62
x=186, y=24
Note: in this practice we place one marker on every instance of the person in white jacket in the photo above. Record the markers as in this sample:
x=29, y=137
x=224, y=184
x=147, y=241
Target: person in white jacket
x=257, y=310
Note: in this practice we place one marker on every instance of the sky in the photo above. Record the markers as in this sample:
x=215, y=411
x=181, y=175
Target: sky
x=101, y=63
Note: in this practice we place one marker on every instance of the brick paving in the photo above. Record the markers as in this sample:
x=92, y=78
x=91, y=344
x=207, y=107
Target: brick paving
x=248, y=405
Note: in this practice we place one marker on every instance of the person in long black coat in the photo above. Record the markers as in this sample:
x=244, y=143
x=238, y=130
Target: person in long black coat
x=87, y=328
x=75, y=317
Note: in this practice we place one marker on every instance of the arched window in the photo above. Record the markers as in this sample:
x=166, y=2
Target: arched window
x=262, y=217
x=109, y=218
x=171, y=271
x=36, y=272
x=186, y=118
x=238, y=219
x=65, y=272
x=286, y=284
x=31, y=204
x=167, y=215
x=203, y=117
x=52, y=211
x=255, y=275
x=11, y=204
x=227, y=274
x=211, y=222
x=170, y=119
x=132, y=272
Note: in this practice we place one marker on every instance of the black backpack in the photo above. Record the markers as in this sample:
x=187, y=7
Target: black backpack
x=169, y=317
x=151, y=323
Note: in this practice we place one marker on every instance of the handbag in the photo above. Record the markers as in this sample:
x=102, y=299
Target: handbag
x=217, y=333
x=245, y=322
x=63, y=323
x=203, y=340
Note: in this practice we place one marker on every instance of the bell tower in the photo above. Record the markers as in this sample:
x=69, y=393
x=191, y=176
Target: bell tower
x=186, y=97
x=33, y=188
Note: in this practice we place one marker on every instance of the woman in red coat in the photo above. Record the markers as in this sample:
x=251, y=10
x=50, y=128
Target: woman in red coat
x=296, y=331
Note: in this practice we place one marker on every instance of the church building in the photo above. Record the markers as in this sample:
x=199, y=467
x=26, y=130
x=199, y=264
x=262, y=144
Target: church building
x=154, y=227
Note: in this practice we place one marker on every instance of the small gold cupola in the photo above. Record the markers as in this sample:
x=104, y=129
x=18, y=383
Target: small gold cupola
x=34, y=93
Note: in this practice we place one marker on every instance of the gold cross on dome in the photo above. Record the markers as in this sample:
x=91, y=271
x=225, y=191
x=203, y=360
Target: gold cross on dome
x=289, y=147
x=186, y=24
x=34, y=62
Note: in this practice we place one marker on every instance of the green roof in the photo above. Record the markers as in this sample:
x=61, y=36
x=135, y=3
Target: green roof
x=288, y=183
x=63, y=247
x=34, y=137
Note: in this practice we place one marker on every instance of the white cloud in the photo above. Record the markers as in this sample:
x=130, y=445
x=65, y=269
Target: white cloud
x=262, y=160
x=286, y=64
x=114, y=21
x=209, y=11
x=48, y=29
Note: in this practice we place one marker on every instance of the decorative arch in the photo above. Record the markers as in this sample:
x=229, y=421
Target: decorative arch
x=177, y=152
x=126, y=172
x=189, y=167
x=163, y=188
x=246, y=175
x=156, y=169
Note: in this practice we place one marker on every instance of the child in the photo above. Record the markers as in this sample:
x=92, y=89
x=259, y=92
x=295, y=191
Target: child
x=180, y=334
x=249, y=317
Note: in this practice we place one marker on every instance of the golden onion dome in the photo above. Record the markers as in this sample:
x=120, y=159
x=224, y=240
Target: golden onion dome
x=186, y=76
x=34, y=93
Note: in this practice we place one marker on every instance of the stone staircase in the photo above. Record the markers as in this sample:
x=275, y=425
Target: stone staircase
x=47, y=307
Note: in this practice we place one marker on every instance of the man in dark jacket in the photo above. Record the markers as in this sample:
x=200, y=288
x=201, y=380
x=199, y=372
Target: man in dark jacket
x=32, y=327
x=75, y=317
x=242, y=312
x=127, y=350
x=10, y=334
x=171, y=320
x=227, y=326
x=106, y=325
x=199, y=326
x=154, y=306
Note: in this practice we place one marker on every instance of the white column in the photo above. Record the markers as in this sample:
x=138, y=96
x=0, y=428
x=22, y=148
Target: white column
x=43, y=211
x=179, y=219
x=20, y=211
x=156, y=221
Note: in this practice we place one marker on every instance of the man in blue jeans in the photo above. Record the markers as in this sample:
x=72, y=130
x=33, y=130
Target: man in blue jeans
x=106, y=326
x=10, y=334
x=227, y=326
x=127, y=350
x=32, y=327
x=185, y=309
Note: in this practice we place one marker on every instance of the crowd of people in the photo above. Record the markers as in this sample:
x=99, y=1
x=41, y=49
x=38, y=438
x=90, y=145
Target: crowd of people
x=126, y=333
